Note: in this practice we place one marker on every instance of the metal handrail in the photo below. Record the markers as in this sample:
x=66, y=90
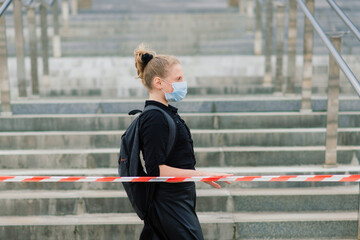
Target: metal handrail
x=345, y=18
x=4, y=7
x=340, y=61
x=28, y=3
x=8, y=2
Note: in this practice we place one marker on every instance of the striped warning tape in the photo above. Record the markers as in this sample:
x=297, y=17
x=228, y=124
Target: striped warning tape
x=285, y=178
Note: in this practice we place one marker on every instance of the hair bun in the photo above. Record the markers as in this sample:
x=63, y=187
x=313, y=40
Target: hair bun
x=146, y=58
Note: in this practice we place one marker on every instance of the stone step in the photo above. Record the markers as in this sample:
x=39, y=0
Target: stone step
x=238, y=171
x=162, y=36
x=194, y=33
x=262, y=225
x=204, y=90
x=111, y=47
x=162, y=23
x=164, y=27
x=199, y=91
x=201, y=138
x=106, y=122
x=150, y=19
x=238, y=83
x=158, y=6
x=159, y=21
x=205, y=157
x=195, y=91
x=253, y=89
x=113, y=77
x=258, y=80
x=73, y=202
x=219, y=103
x=60, y=186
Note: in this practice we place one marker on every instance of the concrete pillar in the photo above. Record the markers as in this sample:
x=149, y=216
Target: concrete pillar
x=74, y=7
x=292, y=34
x=20, y=52
x=65, y=13
x=307, y=67
x=33, y=49
x=333, y=106
x=242, y=6
x=258, y=31
x=268, y=43
x=280, y=16
x=4, y=74
x=56, y=37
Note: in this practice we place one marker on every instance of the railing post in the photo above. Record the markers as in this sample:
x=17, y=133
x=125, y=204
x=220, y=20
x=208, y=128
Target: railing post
x=241, y=6
x=292, y=33
x=342, y=64
x=359, y=214
x=74, y=7
x=333, y=106
x=19, y=42
x=65, y=13
x=250, y=15
x=4, y=75
x=258, y=32
x=56, y=37
x=308, y=53
x=33, y=49
x=280, y=16
x=250, y=8
x=85, y=4
x=232, y=3
x=44, y=45
x=268, y=45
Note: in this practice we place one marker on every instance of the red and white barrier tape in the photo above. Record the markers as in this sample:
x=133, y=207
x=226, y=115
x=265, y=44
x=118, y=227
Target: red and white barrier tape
x=288, y=178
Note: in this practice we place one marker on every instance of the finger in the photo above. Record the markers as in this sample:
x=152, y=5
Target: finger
x=214, y=184
x=228, y=182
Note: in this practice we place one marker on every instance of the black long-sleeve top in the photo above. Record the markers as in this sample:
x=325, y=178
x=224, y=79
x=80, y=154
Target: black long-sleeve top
x=154, y=134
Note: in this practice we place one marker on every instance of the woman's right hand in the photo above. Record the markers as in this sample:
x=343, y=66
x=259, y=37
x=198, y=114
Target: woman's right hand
x=213, y=183
x=167, y=171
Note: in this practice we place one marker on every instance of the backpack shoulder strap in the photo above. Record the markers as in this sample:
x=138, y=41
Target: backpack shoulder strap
x=172, y=126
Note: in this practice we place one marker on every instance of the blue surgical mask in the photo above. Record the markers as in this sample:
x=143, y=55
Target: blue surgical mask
x=179, y=93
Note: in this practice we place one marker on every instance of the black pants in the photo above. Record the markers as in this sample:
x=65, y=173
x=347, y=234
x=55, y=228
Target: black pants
x=172, y=214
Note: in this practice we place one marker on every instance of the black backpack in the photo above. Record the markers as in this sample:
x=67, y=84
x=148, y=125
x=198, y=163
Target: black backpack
x=139, y=193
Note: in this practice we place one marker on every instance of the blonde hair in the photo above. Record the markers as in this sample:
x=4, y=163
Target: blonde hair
x=157, y=67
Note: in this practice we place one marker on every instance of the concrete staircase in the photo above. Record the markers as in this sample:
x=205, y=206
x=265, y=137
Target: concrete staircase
x=240, y=135
x=238, y=125
x=199, y=27
x=207, y=35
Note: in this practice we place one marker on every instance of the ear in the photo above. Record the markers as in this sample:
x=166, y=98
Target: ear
x=157, y=83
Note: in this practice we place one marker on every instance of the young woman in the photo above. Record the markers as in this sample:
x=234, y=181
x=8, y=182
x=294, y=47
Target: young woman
x=172, y=213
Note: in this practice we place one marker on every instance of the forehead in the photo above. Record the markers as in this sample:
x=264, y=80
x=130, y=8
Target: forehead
x=176, y=70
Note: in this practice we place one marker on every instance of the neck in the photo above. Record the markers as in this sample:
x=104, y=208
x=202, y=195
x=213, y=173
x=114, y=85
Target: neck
x=158, y=99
